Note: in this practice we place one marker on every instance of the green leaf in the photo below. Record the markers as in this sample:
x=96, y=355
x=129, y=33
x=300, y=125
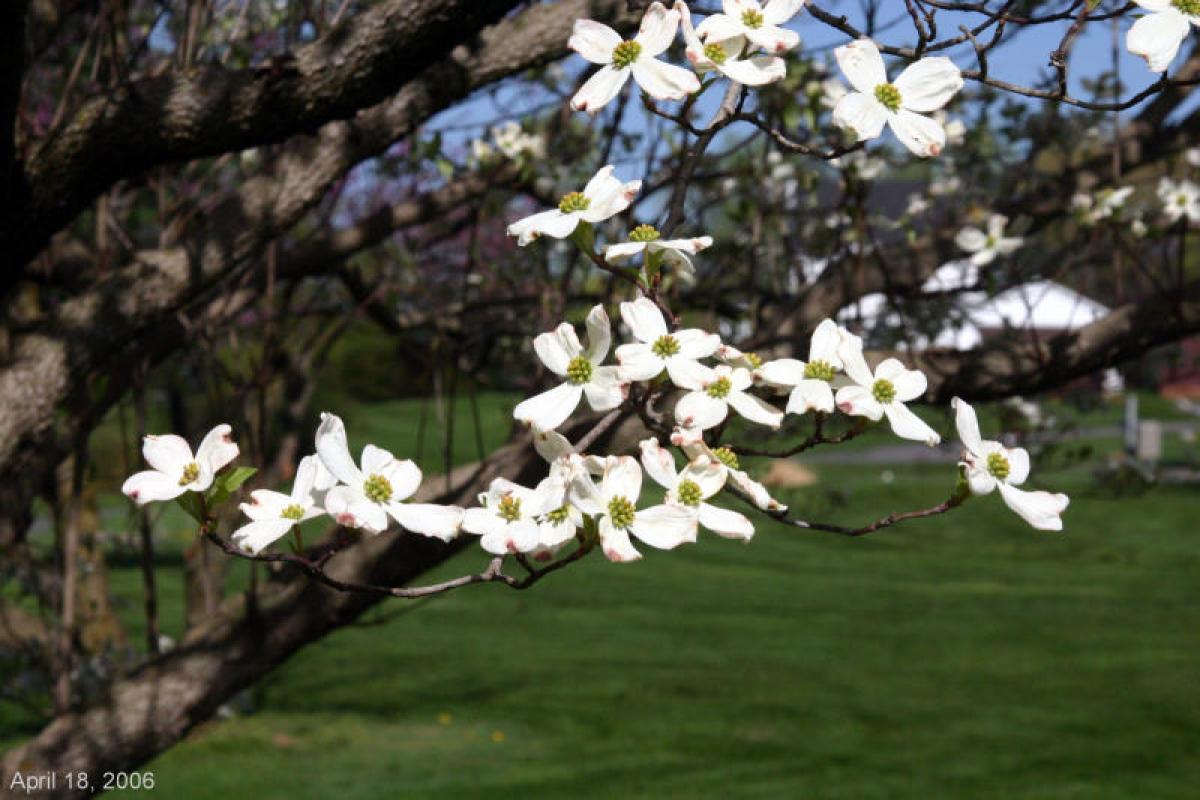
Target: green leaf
x=190, y=502
x=225, y=485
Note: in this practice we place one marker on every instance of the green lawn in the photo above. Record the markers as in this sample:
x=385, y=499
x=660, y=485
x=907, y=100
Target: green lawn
x=963, y=656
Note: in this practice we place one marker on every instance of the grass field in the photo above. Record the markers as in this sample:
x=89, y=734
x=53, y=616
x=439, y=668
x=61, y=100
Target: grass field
x=962, y=656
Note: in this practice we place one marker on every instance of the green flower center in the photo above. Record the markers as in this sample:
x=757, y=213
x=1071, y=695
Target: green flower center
x=621, y=512
x=818, y=371
x=559, y=515
x=377, y=489
x=1189, y=7
x=573, y=201
x=884, y=390
x=719, y=388
x=665, y=346
x=998, y=466
x=1182, y=199
x=644, y=233
x=726, y=457
x=689, y=493
x=990, y=242
x=754, y=360
x=579, y=370
x=509, y=508
x=190, y=473
x=752, y=19
x=293, y=511
x=626, y=53
x=888, y=95
x=715, y=53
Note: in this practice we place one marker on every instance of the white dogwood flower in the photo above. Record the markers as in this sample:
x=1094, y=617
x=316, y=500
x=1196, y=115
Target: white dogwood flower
x=614, y=505
x=509, y=517
x=175, y=469
x=620, y=59
x=991, y=465
x=691, y=441
x=725, y=56
x=758, y=23
x=1106, y=203
x=563, y=355
x=884, y=392
x=603, y=197
x=371, y=493
x=984, y=247
x=272, y=514
x=688, y=488
x=1179, y=199
x=811, y=382
x=922, y=88
x=657, y=349
x=714, y=390
x=646, y=239
x=1156, y=37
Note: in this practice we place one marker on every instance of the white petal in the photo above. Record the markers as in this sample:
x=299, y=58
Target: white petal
x=909, y=383
x=481, y=521
x=755, y=71
x=623, y=251
x=549, y=409
x=756, y=491
x=689, y=374
x=980, y=480
x=724, y=522
x=811, y=395
x=599, y=331
x=755, y=409
x=1042, y=510
x=375, y=460
x=254, y=537
x=658, y=463
x=553, y=350
x=638, y=362
x=606, y=390
x=664, y=526
x=773, y=39
x=545, y=497
x=928, y=84
x=861, y=64
x=824, y=344
x=968, y=426
x=657, y=29
x=664, y=81
x=695, y=343
x=857, y=401
x=707, y=473
x=908, y=425
x=552, y=445
x=622, y=478
x=439, y=522
x=923, y=136
x=971, y=239
x=1156, y=38
x=594, y=41
x=217, y=449
x=861, y=114
x=265, y=504
x=721, y=27
x=151, y=486
x=585, y=495
x=168, y=453
x=405, y=478
x=1018, y=466
x=334, y=451
x=853, y=362
x=777, y=12
x=615, y=543
x=555, y=534
x=644, y=319
x=306, y=478
x=782, y=372
x=553, y=223
x=613, y=199
x=698, y=410
x=515, y=537
x=350, y=508
x=691, y=246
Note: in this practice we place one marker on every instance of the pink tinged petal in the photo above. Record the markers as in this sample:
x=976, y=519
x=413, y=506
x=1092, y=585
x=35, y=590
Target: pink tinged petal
x=552, y=351
x=755, y=409
x=811, y=395
x=217, y=449
x=553, y=223
x=514, y=537
x=622, y=478
x=824, y=344
x=644, y=319
x=968, y=427
x=168, y=453
x=605, y=391
x=151, y=486
x=375, y=460
x=724, y=522
x=689, y=374
x=756, y=70
x=658, y=463
x=691, y=246
x=405, y=478
x=665, y=526
x=773, y=39
x=664, y=81
x=549, y=409
x=608, y=195
x=1042, y=510
x=706, y=473
x=980, y=480
x=777, y=12
x=638, y=362
x=928, y=84
x=971, y=239
x=908, y=425
x=594, y=41
x=1018, y=466
x=861, y=114
x=861, y=64
x=857, y=401
x=698, y=410
x=265, y=504
x=657, y=30
x=782, y=372
x=923, y=136
x=334, y=452
x=350, y=508
x=615, y=543
x=438, y=522
x=599, y=331
x=755, y=491
x=254, y=537
x=1156, y=38
x=695, y=343
x=909, y=383
x=623, y=251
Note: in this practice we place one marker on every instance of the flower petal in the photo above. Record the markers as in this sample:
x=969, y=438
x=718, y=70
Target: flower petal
x=658, y=463
x=254, y=537
x=622, y=478
x=552, y=223
x=605, y=391
x=638, y=362
x=427, y=519
x=217, y=448
x=928, y=84
x=549, y=409
x=599, y=331
x=405, y=478
x=857, y=401
x=755, y=409
x=811, y=395
x=971, y=239
x=909, y=383
x=657, y=30
x=1018, y=466
x=968, y=426
x=1042, y=510
x=923, y=136
x=168, y=453
x=334, y=451
x=777, y=12
x=861, y=64
x=824, y=344
x=664, y=526
x=594, y=41
x=756, y=70
x=695, y=343
x=151, y=486
x=1156, y=38
x=554, y=350
x=861, y=114
x=686, y=373
x=724, y=522
x=853, y=362
x=265, y=504
x=908, y=425
x=664, y=81
x=623, y=251
x=375, y=460
x=698, y=410
x=784, y=372
x=773, y=39
x=707, y=473
x=644, y=319
x=615, y=543
x=350, y=508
